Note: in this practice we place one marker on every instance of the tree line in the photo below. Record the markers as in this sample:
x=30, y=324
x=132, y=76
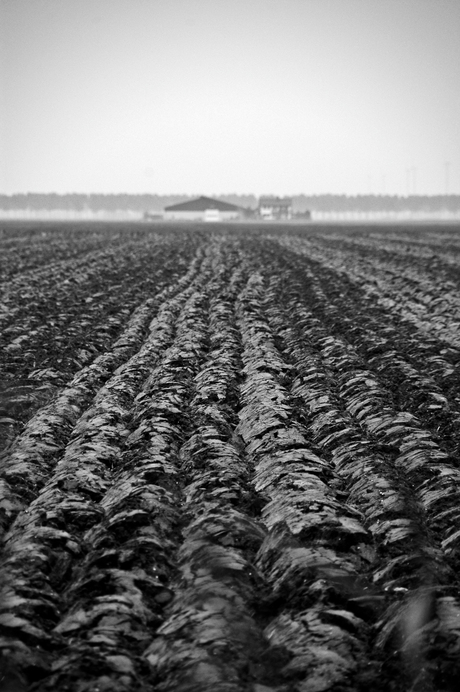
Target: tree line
x=153, y=202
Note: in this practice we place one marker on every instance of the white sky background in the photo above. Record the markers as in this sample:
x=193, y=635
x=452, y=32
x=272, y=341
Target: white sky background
x=221, y=96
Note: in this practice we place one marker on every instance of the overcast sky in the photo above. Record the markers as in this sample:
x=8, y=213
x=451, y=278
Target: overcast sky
x=222, y=96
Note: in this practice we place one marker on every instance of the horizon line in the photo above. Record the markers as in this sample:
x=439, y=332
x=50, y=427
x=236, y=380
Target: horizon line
x=239, y=194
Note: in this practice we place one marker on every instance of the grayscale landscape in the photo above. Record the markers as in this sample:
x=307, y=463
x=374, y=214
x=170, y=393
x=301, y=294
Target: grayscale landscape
x=229, y=346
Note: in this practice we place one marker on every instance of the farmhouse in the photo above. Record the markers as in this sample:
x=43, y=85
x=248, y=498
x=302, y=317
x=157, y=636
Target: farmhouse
x=275, y=208
x=203, y=209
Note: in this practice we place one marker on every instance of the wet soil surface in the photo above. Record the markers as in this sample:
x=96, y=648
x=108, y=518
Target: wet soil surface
x=230, y=458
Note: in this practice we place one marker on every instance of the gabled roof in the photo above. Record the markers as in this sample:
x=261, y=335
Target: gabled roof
x=201, y=204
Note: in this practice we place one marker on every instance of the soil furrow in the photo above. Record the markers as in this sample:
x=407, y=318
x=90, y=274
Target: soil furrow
x=231, y=463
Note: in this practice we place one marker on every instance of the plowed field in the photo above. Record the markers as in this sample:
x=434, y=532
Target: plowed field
x=230, y=458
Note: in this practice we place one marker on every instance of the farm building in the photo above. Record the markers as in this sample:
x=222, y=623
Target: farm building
x=275, y=208
x=203, y=209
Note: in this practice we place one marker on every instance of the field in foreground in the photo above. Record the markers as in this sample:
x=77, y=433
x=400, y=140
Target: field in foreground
x=229, y=458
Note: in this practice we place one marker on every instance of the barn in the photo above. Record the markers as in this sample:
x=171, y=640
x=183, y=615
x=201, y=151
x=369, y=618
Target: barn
x=203, y=209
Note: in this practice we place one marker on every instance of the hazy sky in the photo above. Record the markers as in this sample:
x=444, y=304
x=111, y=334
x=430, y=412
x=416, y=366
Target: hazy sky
x=221, y=96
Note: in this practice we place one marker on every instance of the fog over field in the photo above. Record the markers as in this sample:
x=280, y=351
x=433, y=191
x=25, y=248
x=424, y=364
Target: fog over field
x=212, y=97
